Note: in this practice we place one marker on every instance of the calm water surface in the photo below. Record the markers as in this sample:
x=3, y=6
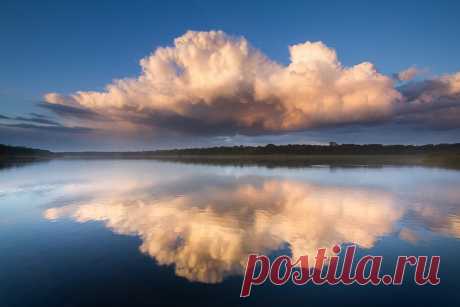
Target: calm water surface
x=146, y=233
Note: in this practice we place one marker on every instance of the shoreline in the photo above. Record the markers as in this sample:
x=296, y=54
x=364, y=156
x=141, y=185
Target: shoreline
x=449, y=161
x=294, y=155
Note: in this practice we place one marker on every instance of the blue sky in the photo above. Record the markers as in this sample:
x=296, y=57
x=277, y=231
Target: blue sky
x=68, y=46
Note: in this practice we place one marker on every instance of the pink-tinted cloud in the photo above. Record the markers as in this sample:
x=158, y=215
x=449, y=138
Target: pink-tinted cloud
x=214, y=83
x=408, y=74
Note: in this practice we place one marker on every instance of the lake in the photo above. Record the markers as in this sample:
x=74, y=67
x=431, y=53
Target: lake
x=147, y=233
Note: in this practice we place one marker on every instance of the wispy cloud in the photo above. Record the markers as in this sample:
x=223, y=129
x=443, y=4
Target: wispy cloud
x=39, y=122
x=53, y=128
x=71, y=111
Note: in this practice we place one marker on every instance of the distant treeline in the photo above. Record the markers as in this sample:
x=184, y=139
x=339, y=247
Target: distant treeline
x=18, y=151
x=270, y=149
x=442, y=155
x=332, y=149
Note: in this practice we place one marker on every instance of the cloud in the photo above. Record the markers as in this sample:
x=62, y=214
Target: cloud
x=443, y=89
x=37, y=120
x=408, y=74
x=211, y=83
x=220, y=80
x=434, y=102
x=52, y=128
x=40, y=122
x=70, y=111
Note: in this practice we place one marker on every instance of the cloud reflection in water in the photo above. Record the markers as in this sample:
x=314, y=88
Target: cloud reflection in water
x=205, y=222
x=207, y=233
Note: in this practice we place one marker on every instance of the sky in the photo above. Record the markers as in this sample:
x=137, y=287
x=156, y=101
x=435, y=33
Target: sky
x=136, y=75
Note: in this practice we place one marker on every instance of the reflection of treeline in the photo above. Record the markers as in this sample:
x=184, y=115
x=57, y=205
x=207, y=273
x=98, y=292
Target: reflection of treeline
x=19, y=151
x=270, y=149
x=443, y=155
x=333, y=149
x=14, y=156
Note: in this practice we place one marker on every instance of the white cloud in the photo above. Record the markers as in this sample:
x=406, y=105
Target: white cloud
x=214, y=83
x=220, y=79
x=408, y=74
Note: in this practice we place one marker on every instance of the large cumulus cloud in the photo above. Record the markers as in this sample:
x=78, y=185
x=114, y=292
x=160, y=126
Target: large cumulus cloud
x=214, y=83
